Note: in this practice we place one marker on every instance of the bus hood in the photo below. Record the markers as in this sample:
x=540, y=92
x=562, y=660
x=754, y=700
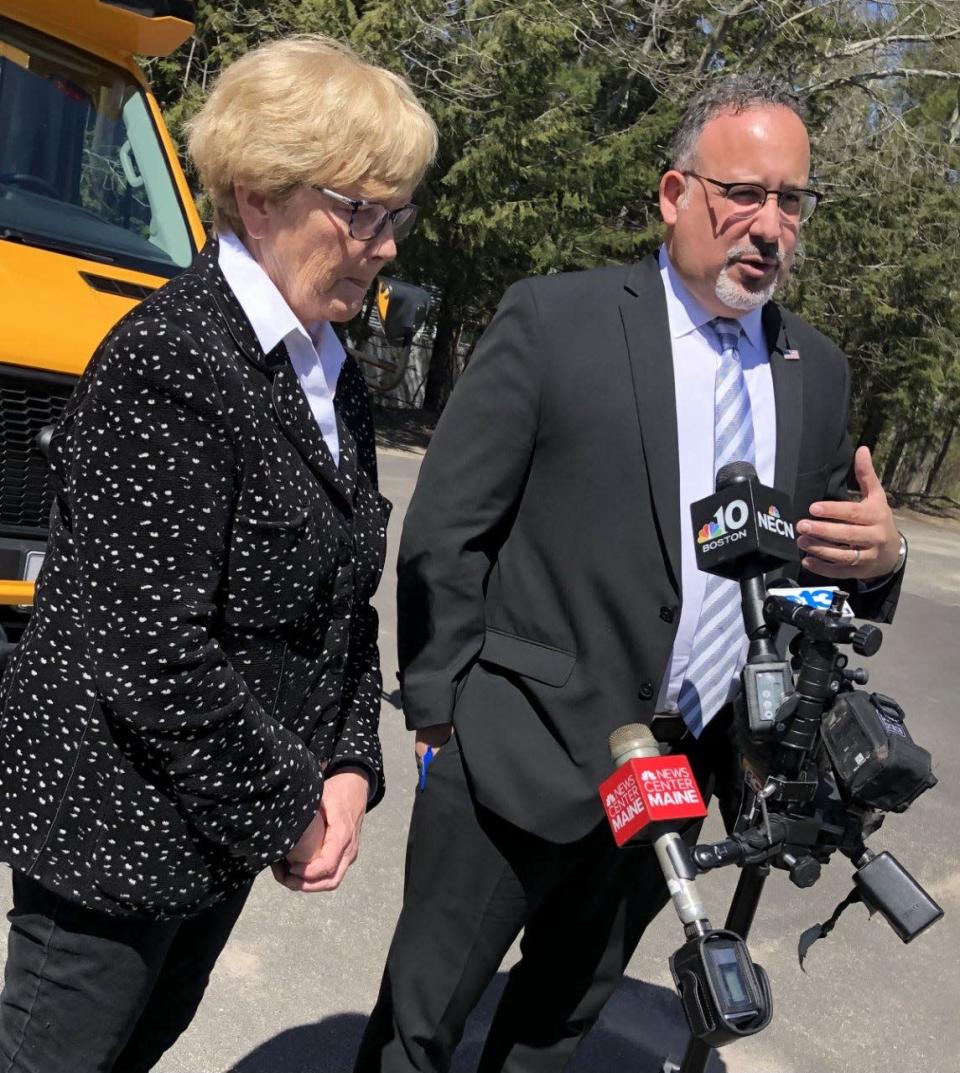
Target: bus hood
x=55, y=308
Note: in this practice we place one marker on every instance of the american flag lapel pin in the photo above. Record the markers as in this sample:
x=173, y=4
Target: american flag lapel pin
x=791, y=355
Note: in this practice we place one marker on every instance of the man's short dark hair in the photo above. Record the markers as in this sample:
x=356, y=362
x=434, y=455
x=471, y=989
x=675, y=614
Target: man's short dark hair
x=735, y=94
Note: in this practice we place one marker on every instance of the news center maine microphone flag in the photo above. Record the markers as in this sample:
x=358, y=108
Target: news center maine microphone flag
x=648, y=790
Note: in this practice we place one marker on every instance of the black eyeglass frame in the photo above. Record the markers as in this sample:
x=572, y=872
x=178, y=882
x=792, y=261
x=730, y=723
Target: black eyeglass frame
x=406, y=214
x=778, y=194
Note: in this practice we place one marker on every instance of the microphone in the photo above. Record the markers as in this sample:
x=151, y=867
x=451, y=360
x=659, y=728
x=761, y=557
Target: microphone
x=742, y=531
x=650, y=790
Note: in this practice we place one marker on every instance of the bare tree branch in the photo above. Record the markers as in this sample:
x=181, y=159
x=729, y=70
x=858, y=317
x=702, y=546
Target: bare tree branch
x=870, y=76
x=857, y=47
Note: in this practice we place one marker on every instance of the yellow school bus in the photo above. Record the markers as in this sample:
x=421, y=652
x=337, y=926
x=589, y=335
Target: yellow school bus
x=95, y=213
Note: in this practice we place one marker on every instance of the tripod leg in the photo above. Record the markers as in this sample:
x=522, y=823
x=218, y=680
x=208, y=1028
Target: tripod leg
x=746, y=898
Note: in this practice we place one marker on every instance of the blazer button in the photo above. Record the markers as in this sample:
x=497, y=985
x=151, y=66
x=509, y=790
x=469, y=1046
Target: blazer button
x=338, y=663
x=667, y=614
x=646, y=691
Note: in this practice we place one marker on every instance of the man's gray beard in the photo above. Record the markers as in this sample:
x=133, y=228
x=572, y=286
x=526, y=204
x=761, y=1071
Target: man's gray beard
x=735, y=296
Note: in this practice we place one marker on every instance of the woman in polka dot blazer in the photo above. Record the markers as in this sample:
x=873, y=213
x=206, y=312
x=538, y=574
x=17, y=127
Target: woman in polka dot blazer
x=197, y=693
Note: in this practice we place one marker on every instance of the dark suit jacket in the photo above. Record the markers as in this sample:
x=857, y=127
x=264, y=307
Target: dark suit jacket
x=539, y=569
x=202, y=646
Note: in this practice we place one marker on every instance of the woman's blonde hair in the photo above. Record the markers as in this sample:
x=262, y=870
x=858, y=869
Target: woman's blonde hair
x=307, y=109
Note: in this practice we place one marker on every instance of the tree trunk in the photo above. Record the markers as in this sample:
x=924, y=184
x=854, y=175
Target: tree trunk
x=440, y=375
x=941, y=455
x=912, y=465
x=893, y=461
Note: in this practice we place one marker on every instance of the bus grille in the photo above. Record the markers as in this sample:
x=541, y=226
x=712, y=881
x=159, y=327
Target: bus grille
x=28, y=403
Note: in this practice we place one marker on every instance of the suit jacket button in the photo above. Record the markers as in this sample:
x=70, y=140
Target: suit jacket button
x=646, y=691
x=667, y=614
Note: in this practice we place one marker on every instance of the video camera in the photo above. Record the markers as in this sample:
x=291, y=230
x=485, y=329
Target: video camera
x=822, y=763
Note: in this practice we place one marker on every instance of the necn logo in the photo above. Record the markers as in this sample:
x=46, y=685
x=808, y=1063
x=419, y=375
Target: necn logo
x=773, y=523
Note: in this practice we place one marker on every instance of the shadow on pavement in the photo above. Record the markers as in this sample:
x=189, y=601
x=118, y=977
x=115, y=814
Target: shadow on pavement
x=641, y=1025
x=393, y=699
x=329, y=1046
x=403, y=429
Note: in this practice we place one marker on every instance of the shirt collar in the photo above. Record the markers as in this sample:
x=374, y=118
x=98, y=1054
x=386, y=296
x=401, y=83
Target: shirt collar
x=685, y=314
x=271, y=318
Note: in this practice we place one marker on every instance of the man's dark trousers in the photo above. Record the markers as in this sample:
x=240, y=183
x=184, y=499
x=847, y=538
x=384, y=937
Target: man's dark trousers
x=473, y=882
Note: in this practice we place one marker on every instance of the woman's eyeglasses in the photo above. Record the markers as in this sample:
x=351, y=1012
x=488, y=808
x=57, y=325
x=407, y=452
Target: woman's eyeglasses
x=368, y=219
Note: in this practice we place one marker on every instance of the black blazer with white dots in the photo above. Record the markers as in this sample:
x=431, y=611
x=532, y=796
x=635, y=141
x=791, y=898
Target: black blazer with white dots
x=203, y=647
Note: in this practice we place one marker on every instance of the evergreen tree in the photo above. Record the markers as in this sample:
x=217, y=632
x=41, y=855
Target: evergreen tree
x=553, y=118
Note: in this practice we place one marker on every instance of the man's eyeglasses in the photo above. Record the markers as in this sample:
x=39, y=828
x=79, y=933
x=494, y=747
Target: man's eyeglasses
x=794, y=204
x=368, y=219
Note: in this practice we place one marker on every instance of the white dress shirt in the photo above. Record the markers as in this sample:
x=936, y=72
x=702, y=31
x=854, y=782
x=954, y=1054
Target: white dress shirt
x=316, y=353
x=696, y=355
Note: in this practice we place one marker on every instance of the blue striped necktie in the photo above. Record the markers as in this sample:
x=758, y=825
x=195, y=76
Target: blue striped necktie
x=718, y=639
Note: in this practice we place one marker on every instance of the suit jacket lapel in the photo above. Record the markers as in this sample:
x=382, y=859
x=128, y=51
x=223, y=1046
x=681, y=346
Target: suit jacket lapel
x=643, y=311
x=787, y=376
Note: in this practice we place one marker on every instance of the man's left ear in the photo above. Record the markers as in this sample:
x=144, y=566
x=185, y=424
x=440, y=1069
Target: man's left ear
x=673, y=185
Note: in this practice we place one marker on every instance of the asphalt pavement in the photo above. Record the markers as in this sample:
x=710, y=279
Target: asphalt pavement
x=294, y=986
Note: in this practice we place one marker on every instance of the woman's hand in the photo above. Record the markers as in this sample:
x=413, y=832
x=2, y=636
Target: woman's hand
x=307, y=847
x=320, y=864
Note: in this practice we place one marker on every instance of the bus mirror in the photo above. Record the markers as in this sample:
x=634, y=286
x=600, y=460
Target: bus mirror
x=403, y=309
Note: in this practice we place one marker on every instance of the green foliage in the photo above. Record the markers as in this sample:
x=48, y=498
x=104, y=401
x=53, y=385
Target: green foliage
x=553, y=118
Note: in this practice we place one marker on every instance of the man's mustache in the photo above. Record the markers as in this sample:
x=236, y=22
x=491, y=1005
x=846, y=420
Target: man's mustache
x=769, y=254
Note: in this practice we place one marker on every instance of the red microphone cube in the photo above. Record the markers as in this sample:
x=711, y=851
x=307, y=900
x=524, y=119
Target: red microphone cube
x=647, y=791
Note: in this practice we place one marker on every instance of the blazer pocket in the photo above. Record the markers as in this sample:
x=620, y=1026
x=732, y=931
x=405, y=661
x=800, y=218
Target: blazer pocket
x=145, y=859
x=275, y=566
x=251, y=521
x=531, y=659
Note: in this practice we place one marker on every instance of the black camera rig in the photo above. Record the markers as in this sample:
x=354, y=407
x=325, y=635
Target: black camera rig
x=823, y=762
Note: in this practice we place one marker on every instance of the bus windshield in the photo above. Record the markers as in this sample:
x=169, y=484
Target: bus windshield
x=82, y=167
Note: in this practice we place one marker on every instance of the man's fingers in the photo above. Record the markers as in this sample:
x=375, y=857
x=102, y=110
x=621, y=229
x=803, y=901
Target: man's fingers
x=840, y=568
x=837, y=554
x=867, y=479
x=836, y=534
x=846, y=511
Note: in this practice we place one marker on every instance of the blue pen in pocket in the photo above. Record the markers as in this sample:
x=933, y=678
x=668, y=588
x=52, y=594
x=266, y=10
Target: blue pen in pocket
x=425, y=762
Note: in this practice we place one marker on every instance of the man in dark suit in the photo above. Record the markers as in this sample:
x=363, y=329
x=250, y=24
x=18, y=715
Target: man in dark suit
x=548, y=593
